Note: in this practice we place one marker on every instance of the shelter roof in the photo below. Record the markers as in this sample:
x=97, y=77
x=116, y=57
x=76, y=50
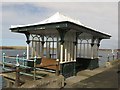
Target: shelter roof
x=63, y=21
x=57, y=17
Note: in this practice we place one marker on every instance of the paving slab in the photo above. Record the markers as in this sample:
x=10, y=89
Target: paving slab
x=96, y=75
x=74, y=79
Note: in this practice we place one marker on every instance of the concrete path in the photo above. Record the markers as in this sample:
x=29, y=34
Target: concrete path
x=94, y=78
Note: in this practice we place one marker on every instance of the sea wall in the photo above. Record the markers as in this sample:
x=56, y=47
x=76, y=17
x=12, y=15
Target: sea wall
x=50, y=82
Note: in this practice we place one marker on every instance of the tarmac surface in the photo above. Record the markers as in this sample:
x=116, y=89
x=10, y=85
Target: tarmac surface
x=109, y=78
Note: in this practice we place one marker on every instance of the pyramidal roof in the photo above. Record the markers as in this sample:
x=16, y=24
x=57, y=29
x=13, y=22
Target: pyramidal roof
x=57, y=17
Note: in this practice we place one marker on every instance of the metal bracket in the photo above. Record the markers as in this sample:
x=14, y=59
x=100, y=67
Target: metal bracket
x=27, y=34
x=62, y=32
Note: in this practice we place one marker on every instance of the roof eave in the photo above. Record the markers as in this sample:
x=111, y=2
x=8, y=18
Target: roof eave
x=66, y=24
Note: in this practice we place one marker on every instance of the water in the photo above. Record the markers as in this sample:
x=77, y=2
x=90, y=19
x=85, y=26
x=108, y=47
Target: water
x=104, y=57
x=8, y=52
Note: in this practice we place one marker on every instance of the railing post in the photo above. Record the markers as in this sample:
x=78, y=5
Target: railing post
x=35, y=59
x=17, y=71
x=3, y=60
x=108, y=58
x=24, y=59
x=17, y=59
x=57, y=68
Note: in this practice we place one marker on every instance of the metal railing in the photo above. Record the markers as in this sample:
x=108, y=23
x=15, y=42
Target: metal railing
x=18, y=63
x=20, y=66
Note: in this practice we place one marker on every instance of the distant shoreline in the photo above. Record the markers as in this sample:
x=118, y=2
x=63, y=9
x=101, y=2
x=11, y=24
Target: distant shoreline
x=24, y=47
x=13, y=47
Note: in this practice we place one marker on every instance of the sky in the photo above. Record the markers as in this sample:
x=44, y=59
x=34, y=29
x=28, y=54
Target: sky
x=102, y=16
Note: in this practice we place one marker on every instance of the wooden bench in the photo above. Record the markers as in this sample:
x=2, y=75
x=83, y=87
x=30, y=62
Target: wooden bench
x=48, y=64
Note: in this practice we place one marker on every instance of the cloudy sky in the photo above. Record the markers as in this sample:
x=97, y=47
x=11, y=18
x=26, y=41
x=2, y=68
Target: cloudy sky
x=102, y=16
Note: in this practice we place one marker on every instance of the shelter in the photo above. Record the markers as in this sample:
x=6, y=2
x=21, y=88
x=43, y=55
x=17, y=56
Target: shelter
x=66, y=40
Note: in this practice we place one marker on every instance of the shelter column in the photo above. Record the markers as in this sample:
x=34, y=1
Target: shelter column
x=57, y=48
x=92, y=44
x=32, y=50
x=38, y=48
x=75, y=50
x=47, y=49
x=98, y=45
x=42, y=51
x=98, y=49
x=66, y=50
x=28, y=42
x=62, y=32
x=61, y=51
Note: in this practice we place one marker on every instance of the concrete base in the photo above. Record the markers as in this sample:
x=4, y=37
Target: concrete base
x=49, y=82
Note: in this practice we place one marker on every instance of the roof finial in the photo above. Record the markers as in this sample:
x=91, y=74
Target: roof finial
x=57, y=13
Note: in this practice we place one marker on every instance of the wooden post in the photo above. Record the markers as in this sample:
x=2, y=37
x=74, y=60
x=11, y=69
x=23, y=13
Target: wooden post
x=72, y=56
x=17, y=81
x=68, y=51
x=57, y=48
x=28, y=42
x=75, y=56
x=61, y=53
x=65, y=55
x=34, y=76
x=92, y=44
x=57, y=68
x=49, y=50
x=17, y=60
x=32, y=50
x=87, y=49
x=28, y=49
x=84, y=50
x=80, y=49
x=75, y=53
x=35, y=48
x=53, y=49
x=42, y=52
x=98, y=49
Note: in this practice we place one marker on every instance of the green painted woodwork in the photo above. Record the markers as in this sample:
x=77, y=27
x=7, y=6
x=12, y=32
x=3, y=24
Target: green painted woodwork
x=31, y=64
x=64, y=24
x=86, y=63
x=68, y=69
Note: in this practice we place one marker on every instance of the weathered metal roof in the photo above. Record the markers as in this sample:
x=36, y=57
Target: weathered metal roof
x=57, y=17
x=59, y=20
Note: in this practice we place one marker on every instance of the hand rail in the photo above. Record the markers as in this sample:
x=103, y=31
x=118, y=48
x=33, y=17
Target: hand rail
x=19, y=68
